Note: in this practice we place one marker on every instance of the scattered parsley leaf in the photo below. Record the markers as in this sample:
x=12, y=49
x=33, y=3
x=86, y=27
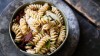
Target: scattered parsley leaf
x=48, y=44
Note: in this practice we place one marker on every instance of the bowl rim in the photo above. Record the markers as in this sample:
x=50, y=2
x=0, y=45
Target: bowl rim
x=26, y=4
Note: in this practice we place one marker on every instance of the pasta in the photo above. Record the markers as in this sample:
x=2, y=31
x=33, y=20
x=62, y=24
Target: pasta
x=43, y=9
x=43, y=20
x=23, y=26
x=53, y=35
x=32, y=13
x=43, y=50
x=37, y=38
x=46, y=27
x=62, y=35
x=45, y=23
x=52, y=48
x=16, y=30
x=28, y=47
x=35, y=6
x=40, y=13
x=57, y=12
x=41, y=43
x=31, y=51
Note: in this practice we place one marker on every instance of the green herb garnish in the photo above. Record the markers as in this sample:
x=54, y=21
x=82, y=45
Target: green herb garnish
x=29, y=44
x=48, y=44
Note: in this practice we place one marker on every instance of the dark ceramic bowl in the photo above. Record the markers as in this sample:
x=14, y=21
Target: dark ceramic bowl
x=22, y=8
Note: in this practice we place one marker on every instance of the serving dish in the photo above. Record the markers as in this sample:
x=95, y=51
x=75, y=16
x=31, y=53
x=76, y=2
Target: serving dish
x=12, y=35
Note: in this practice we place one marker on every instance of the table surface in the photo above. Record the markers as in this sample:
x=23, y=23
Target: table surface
x=89, y=43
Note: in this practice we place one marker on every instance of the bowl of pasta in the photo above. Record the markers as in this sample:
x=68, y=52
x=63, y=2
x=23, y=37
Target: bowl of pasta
x=38, y=28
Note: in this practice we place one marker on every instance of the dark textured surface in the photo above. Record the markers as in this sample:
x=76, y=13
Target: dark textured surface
x=89, y=43
x=89, y=8
x=3, y=4
x=8, y=49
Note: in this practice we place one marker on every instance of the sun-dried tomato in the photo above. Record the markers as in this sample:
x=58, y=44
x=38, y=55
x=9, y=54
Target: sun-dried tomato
x=17, y=19
x=28, y=37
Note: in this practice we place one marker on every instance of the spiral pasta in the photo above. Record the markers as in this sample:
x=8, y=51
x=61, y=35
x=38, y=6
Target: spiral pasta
x=52, y=47
x=41, y=43
x=28, y=47
x=34, y=6
x=23, y=26
x=32, y=13
x=46, y=27
x=31, y=51
x=43, y=50
x=53, y=35
x=62, y=34
x=57, y=12
x=37, y=38
x=44, y=20
x=40, y=14
x=44, y=8
x=16, y=30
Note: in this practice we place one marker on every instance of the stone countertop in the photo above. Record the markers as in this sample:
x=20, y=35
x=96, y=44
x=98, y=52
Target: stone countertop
x=89, y=44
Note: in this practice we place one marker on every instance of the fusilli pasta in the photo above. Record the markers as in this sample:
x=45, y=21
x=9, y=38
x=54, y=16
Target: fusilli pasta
x=37, y=38
x=61, y=35
x=44, y=8
x=52, y=47
x=23, y=26
x=16, y=30
x=43, y=50
x=31, y=51
x=46, y=27
x=44, y=20
x=28, y=47
x=34, y=6
x=41, y=43
x=57, y=12
x=53, y=35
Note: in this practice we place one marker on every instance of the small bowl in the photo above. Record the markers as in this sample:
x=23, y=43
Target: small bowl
x=13, y=36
